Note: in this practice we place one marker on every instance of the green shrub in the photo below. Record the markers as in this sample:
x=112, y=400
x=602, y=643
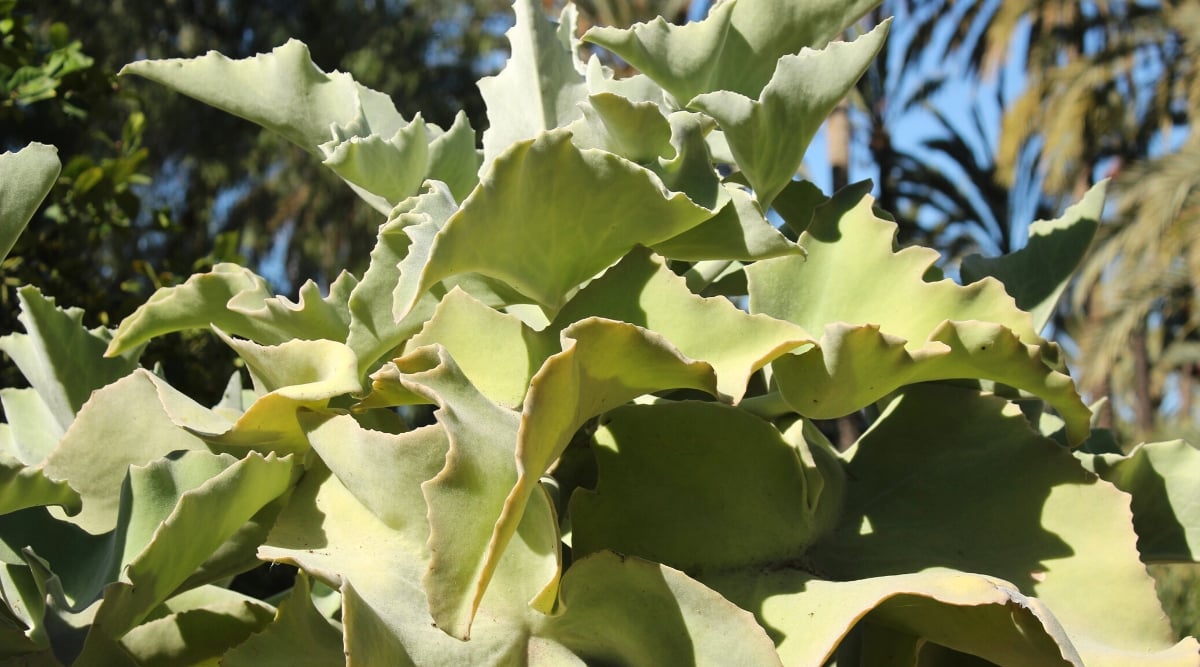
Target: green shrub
x=622, y=466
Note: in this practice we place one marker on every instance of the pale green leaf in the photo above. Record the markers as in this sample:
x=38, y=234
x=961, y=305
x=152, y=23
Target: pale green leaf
x=298, y=636
x=209, y=498
x=25, y=179
x=769, y=135
x=619, y=610
x=239, y=302
x=852, y=275
x=637, y=131
x=282, y=91
x=554, y=216
x=497, y=352
x=641, y=290
x=1037, y=274
x=374, y=332
x=201, y=626
x=739, y=231
x=735, y=48
x=467, y=497
x=1161, y=477
x=383, y=170
x=383, y=471
x=976, y=614
x=724, y=490
x=327, y=532
x=63, y=361
x=129, y=437
x=852, y=367
x=34, y=431
x=22, y=486
x=453, y=158
x=983, y=492
x=539, y=88
x=298, y=374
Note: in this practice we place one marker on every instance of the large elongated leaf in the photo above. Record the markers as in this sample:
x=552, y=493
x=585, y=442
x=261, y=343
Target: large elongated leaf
x=735, y=48
x=128, y=437
x=1037, y=274
x=553, y=216
x=62, y=360
x=207, y=497
x=539, y=88
x=497, y=352
x=1166, y=507
x=769, y=135
x=853, y=275
x=329, y=115
x=1052, y=535
x=753, y=509
x=25, y=179
x=641, y=290
x=853, y=367
x=239, y=302
x=466, y=498
x=612, y=608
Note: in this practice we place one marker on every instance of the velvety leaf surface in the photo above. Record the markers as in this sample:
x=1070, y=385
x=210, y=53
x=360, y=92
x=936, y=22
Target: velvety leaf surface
x=1166, y=504
x=25, y=179
x=554, y=216
x=298, y=636
x=203, y=510
x=108, y=437
x=979, y=615
x=200, y=625
x=739, y=231
x=497, y=352
x=374, y=331
x=539, y=88
x=1053, y=534
x=384, y=170
x=63, y=361
x=298, y=374
x=282, y=91
x=701, y=487
x=853, y=275
x=385, y=614
x=453, y=158
x=769, y=135
x=383, y=471
x=853, y=367
x=466, y=497
x=33, y=429
x=1037, y=274
x=22, y=486
x=641, y=290
x=238, y=301
x=735, y=48
x=627, y=611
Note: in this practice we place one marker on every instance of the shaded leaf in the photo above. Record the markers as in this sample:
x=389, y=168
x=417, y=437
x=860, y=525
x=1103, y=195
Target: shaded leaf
x=25, y=179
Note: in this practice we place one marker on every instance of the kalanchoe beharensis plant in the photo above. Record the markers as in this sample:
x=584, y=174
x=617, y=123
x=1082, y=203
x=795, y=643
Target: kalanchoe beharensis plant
x=623, y=466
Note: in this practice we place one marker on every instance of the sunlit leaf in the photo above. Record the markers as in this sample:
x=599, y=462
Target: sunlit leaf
x=1166, y=507
x=1037, y=274
x=769, y=135
x=735, y=48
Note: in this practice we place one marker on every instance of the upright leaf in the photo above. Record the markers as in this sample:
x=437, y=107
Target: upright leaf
x=554, y=216
x=1037, y=274
x=25, y=179
x=735, y=48
x=539, y=88
x=769, y=135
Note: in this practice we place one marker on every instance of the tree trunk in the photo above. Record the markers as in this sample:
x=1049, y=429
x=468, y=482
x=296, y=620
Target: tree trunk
x=1143, y=406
